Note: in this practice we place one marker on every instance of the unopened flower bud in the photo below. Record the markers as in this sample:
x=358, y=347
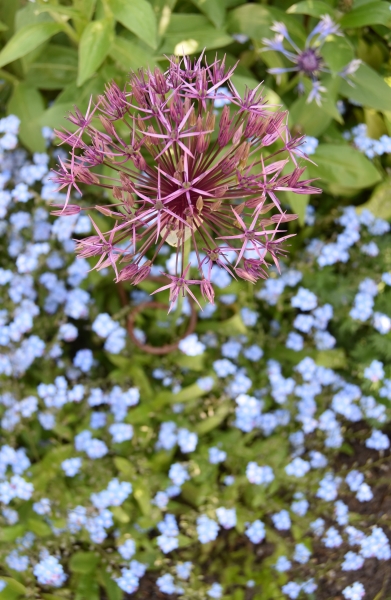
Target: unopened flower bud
x=192, y=118
x=200, y=203
x=210, y=121
x=221, y=191
x=117, y=193
x=216, y=205
x=126, y=182
x=141, y=123
x=108, y=126
x=237, y=136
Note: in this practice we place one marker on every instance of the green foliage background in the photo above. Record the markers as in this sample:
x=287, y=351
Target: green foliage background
x=58, y=53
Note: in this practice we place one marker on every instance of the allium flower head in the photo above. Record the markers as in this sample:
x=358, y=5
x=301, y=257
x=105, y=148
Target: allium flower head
x=307, y=61
x=184, y=174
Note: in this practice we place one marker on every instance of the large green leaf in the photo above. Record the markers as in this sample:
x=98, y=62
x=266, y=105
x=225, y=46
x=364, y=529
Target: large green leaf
x=54, y=116
x=14, y=589
x=213, y=9
x=129, y=55
x=27, y=39
x=344, y=166
x=328, y=102
x=65, y=11
x=85, y=6
x=337, y=52
x=368, y=88
x=190, y=33
x=27, y=104
x=29, y=15
x=55, y=68
x=380, y=201
x=138, y=17
x=255, y=21
x=298, y=204
x=94, y=46
x=9, y=534
x=311, y=118
x=314, y=8
x=368, y=14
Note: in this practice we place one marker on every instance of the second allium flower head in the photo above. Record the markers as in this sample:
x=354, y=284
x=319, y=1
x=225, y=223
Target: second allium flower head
x=181, y=176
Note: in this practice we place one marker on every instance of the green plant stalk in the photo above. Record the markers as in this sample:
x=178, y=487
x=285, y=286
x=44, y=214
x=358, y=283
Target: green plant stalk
x=186, y=252
x=68, y=30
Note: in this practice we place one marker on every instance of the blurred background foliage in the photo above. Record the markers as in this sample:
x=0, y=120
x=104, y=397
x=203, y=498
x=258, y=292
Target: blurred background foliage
x=57, y=54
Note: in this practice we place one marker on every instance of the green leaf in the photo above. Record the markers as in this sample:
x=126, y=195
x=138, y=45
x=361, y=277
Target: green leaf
x=13, y=589
x=38, y=527
x=29, y=15
x=212, y=422
x=191, y=392
x=213, y=9
x=54, y=69
x=369, y=89
x=124, y=466
x=337, y=52
x=344, y=166
x=190, y=33
x=370, y=14
x=9, y=534
x=94, y=47
x=138, y=17
x=192, y=494
x=143, y=498
x=232, y=326
x=129, y=55
x=380, y=201
x=194, y=363
x=253, y=20
x=3, y=26
x=314, y=8
x=27, y=39
x=332, y=359
x=120, y=514
x=86, y=7
x=83, y=562
x=87, y=587
x=54, y=116
x=298, y=203
x=113, y=591
x=312, y=119
x=66, y=11
x=329, y=97
x=27, y=104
